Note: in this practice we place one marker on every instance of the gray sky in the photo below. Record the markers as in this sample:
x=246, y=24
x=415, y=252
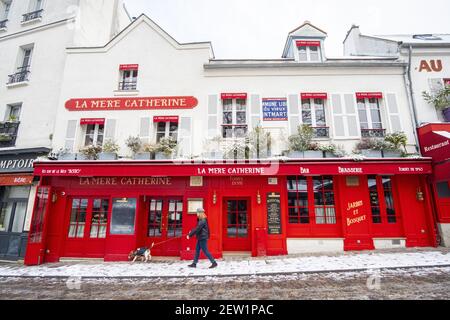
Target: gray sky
x=258, y=28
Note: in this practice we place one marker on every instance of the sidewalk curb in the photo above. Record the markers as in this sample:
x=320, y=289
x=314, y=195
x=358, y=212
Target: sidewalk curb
x=226, y=275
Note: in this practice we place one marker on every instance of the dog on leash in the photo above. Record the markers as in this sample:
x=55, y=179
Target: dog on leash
x=142, y=254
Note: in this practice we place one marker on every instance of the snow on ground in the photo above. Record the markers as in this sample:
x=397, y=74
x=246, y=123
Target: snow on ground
x=248, y=266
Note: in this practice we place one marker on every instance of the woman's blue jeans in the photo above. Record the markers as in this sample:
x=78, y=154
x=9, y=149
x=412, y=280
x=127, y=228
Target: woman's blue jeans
x=202, y=245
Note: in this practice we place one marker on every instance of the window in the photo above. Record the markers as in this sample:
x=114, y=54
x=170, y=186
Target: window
x=313, y=113
x=123, y=216
x=94, y=135
x=370, y=118
x=309, y=51
x=311, y=195
x=5, y=8
x=175, y=214
x=234, y=118
x=37, y=223
x=99, y=219
x=13, y=208
x=13, y=112
x=443, y=189
x=165, y=130
x=155, y=218
x=128, y=80
x=382, y=207
x=78, y=218
x=23, y=67
x=34, y=11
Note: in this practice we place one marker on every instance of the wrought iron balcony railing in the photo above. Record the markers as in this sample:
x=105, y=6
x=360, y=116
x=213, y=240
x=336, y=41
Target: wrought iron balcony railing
x=127, y=85
x=321, y=132
x=8, y=134
x=32, y=15
x=373, y=133
x=3, y=23
x=20, y=76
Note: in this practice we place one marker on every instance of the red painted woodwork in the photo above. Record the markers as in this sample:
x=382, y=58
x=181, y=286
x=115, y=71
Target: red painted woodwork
x=166, y=119
x=369, y=95
x=124, y=67
x=237, y=225
x=435, y=142
x=303, y=43
x=144, y=103
x=225, y=96
x=99, y=121
x=314, y=96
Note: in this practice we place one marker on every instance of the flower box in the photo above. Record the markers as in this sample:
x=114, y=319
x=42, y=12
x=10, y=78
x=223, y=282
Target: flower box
x=107, y=156
x=313, y=154
x=143, y=156
x=372, y=153
x=392, y=154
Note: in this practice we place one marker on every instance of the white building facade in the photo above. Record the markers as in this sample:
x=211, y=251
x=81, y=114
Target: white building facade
x=34, y=35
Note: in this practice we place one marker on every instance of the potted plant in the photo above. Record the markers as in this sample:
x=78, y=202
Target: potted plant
x=65, y=154
x=134, y=144
x=4, y=137
x=237, y=149
x=394, y=143
x=12, y=118
x=440, y=100
x=333, y=151
x=109, y=150
x=371, y=147
x=165, y=148
x=301, y=146
x=90, y=152
x=214, y=147
x=147, y=152
x=260, y=142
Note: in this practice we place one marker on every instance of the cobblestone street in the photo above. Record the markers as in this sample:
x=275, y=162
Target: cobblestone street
x=417, y=283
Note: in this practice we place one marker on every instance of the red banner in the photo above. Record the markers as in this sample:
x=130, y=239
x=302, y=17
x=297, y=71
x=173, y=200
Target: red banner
x=123, y=67
x=314, y=96
x=369, y=95
x=16, y=180
x=85, y=121
x=234, y=96
x=308, y=43
x=112, y=104
x=166, y=119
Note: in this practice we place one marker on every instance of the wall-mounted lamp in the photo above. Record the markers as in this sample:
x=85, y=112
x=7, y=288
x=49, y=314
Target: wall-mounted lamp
x=214, y=197
x=419, y=194
x=258, y=198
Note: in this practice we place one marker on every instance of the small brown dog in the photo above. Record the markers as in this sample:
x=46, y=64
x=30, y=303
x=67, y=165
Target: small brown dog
x=142, y=254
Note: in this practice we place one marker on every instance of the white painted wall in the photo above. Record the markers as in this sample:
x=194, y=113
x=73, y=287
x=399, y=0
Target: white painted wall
x=299, y=246
x=167, y=69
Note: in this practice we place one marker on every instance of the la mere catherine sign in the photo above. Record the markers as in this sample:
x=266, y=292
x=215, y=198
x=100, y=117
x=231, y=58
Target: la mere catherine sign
x=146, y=103
x=275, y=109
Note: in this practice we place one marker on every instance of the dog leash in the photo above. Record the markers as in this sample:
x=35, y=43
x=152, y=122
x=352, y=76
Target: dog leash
x=159, y=243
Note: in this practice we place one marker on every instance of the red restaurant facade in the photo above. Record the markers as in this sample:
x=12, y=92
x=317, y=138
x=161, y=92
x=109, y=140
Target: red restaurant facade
x=106, y=209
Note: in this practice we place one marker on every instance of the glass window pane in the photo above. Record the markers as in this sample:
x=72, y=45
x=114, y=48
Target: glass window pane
x=302, y=54
x=241, y=118
x=314, y=53
x=5, y=216
x=19, y=217
x=228, y=118
x=123, y=216
x=443, y=189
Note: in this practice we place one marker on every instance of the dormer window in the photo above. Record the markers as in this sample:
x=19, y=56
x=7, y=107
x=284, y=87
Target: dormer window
x=309, y=51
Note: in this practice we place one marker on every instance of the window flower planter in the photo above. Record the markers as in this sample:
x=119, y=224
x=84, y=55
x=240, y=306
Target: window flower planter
x=218, y=155
x=163, y=156
x=296, y=154
x=143, y=156
x=107, y=156
x=67, y=156
x=372, y=153
x=392, y=154
x=313, y=154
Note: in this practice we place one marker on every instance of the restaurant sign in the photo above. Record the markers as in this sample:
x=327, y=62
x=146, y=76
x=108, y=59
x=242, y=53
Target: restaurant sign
x=119, y=104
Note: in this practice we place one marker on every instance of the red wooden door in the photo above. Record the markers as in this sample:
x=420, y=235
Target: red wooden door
x=165, y=225
x=36, y=248
x=87, y=227
x=237, y=231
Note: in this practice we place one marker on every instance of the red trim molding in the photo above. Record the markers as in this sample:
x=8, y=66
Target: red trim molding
x=166, y=119
x=125, y=67
x=303, y=43
x=314, y=95
x=85, y=121
x=369, y=95
x=233, y=96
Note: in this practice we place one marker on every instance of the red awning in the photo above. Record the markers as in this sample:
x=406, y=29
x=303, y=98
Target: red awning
x=314, y=95
x=434, y=141
x=303, y=43
x=369, y=95
x=166, y=119
x=16, y=180
x=128, y=67
x=234, y=96
x=100, y=121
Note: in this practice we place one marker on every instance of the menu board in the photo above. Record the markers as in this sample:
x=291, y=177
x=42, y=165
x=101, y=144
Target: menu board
x=274, y=213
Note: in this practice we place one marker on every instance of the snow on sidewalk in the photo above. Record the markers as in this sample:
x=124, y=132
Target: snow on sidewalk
x=283, y=265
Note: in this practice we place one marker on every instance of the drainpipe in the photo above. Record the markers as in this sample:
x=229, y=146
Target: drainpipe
x=410, y=94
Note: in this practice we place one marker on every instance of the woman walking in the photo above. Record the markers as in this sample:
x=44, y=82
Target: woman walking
x=202, y=234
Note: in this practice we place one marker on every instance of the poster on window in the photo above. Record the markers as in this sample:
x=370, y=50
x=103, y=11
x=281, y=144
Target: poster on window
x=275, y=109
x=123, y=216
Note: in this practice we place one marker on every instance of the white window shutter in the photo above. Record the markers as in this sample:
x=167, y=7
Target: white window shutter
x=110, y=129
x=394, y=113
x=213, y=109
x=144, y=129
x=294, y=111
x=352, y=117
x=70, y=135
x=185, y=137
x=338, y=116
x=255, y=111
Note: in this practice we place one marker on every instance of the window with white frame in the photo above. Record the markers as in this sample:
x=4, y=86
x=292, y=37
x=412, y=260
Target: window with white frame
x=94, y=135
x=370, y=117
x=128, y=80
x=5, y=7
x=13, y=112
x=313, y=113
x=165, y=130
x=234, y=118
x=309, y=51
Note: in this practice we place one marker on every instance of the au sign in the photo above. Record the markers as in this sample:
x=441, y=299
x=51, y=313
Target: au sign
x=430, y=66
